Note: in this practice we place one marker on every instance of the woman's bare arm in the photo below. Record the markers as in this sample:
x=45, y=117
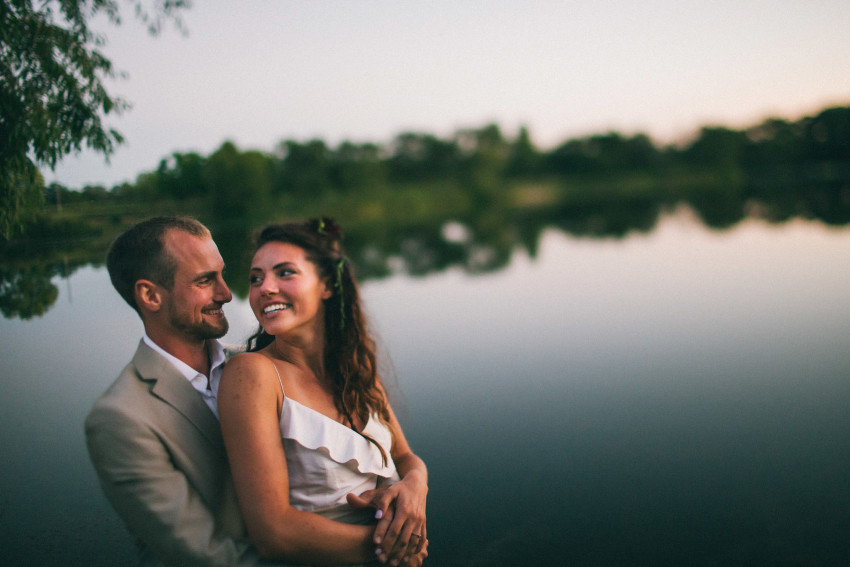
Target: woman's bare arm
x=249, y=399
x=401, y=529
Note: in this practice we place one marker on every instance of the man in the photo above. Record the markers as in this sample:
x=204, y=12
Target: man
x=153, y=436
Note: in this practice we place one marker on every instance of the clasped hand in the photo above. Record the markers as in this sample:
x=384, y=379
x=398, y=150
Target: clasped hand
x=400, y=534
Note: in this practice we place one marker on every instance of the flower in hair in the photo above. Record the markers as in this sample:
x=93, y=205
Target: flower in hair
x=327, y=227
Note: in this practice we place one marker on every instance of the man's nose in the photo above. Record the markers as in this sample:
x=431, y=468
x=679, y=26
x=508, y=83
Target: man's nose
x=222, y=291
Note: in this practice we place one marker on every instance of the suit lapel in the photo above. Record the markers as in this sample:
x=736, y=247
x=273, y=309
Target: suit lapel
x=172, y=387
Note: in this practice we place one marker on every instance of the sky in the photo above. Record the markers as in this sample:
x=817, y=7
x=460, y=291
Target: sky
x=259, y=72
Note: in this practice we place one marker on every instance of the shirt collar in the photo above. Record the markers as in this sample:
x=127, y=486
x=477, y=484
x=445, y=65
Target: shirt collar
x=217, y=358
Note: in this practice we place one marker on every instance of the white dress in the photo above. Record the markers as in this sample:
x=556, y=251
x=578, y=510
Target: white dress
x=327, y=460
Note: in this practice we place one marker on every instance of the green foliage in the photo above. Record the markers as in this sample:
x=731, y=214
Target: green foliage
x=482, y=168
x=604, y=153
x=485, y=157
x=182, y=177
x=774, y=142
x=717, y=146
x=352, y=166
x=828, y=133
x=422, y=157
x=303, y=169
x=52, y=98
x=524, y=159
x=239, y=183
x=21, y=188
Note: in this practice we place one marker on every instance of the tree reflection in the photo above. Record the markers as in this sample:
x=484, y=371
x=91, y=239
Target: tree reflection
x=719, y=211
x=478, y=235
x=27, y=292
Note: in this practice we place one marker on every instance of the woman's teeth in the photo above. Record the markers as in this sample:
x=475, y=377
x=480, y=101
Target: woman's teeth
x=275, y=307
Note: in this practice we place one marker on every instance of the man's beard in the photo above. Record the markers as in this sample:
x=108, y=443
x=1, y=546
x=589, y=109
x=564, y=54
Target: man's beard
x=200, y=330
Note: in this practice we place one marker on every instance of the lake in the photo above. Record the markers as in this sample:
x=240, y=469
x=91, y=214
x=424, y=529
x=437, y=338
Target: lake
x=673, y=397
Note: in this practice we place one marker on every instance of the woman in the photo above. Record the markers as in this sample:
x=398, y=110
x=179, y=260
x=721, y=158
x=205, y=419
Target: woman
x=313, y=444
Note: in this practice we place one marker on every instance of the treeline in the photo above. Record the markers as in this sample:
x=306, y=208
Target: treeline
x=494, y=194
x=232, y=182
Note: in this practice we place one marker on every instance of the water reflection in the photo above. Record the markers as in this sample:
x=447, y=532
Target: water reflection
x=27, y=292
x=482, y=240
x=673, y=397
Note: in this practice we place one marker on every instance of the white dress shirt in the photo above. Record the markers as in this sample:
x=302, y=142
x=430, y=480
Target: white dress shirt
x=206, y=387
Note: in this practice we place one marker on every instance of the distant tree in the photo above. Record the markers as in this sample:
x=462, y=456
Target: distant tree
x=58, y=195
x=356, y=166
x=146, y=188
x=718, y=147
x=828, y=135
x=239, y=183
x=52, y=97
x=638, y=152
x=485, y=153
x=774, y=142
x=303, y=168
x=416, y=156
x=54, y=195
x=603, y=153
x=523, y=158
x=572, y=156
x=95, y=193
x=126, y=191
x=181, y=176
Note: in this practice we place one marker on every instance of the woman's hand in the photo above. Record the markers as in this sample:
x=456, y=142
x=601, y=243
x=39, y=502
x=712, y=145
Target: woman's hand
x=401, y=530
x=400, y=535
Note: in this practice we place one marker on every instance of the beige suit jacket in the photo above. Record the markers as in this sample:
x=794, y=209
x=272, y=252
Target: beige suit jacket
x=159, y=455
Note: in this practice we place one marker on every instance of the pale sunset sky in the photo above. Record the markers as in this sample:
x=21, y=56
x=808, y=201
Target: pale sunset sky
x=261, y=71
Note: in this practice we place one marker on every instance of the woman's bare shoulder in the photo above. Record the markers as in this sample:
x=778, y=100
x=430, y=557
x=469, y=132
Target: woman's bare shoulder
x=254, y=357
x=253, y=366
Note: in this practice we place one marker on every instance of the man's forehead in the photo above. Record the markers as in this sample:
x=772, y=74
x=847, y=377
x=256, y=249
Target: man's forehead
x=197, y=253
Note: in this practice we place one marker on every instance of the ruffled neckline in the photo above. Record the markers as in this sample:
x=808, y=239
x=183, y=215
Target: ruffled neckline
x=315, y=431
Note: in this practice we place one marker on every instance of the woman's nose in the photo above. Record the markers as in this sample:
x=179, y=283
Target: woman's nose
x=268, y=287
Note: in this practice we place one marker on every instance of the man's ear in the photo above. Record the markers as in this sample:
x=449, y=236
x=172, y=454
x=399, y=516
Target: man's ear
x=148, y=295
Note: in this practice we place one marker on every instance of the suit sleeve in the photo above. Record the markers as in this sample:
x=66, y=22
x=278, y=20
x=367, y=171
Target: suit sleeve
x=155, y=499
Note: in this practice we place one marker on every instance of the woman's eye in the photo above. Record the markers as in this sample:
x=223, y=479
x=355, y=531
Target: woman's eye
x=285, y=272
x=254, y=279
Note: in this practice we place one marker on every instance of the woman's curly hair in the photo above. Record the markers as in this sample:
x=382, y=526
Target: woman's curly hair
x=349, y=357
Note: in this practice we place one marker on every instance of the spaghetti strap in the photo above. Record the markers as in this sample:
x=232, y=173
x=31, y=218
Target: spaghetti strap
x=279, y=381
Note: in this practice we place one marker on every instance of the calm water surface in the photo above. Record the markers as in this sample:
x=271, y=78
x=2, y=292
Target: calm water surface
x=672, y=398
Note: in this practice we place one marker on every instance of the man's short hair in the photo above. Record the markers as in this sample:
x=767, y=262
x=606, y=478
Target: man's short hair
x=139, y=254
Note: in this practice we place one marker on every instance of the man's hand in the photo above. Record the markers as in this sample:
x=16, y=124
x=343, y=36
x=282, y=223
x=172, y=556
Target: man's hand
x=401, y=530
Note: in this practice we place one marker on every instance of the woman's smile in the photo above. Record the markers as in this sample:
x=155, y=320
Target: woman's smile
x=275, y=308
x=286, y=291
